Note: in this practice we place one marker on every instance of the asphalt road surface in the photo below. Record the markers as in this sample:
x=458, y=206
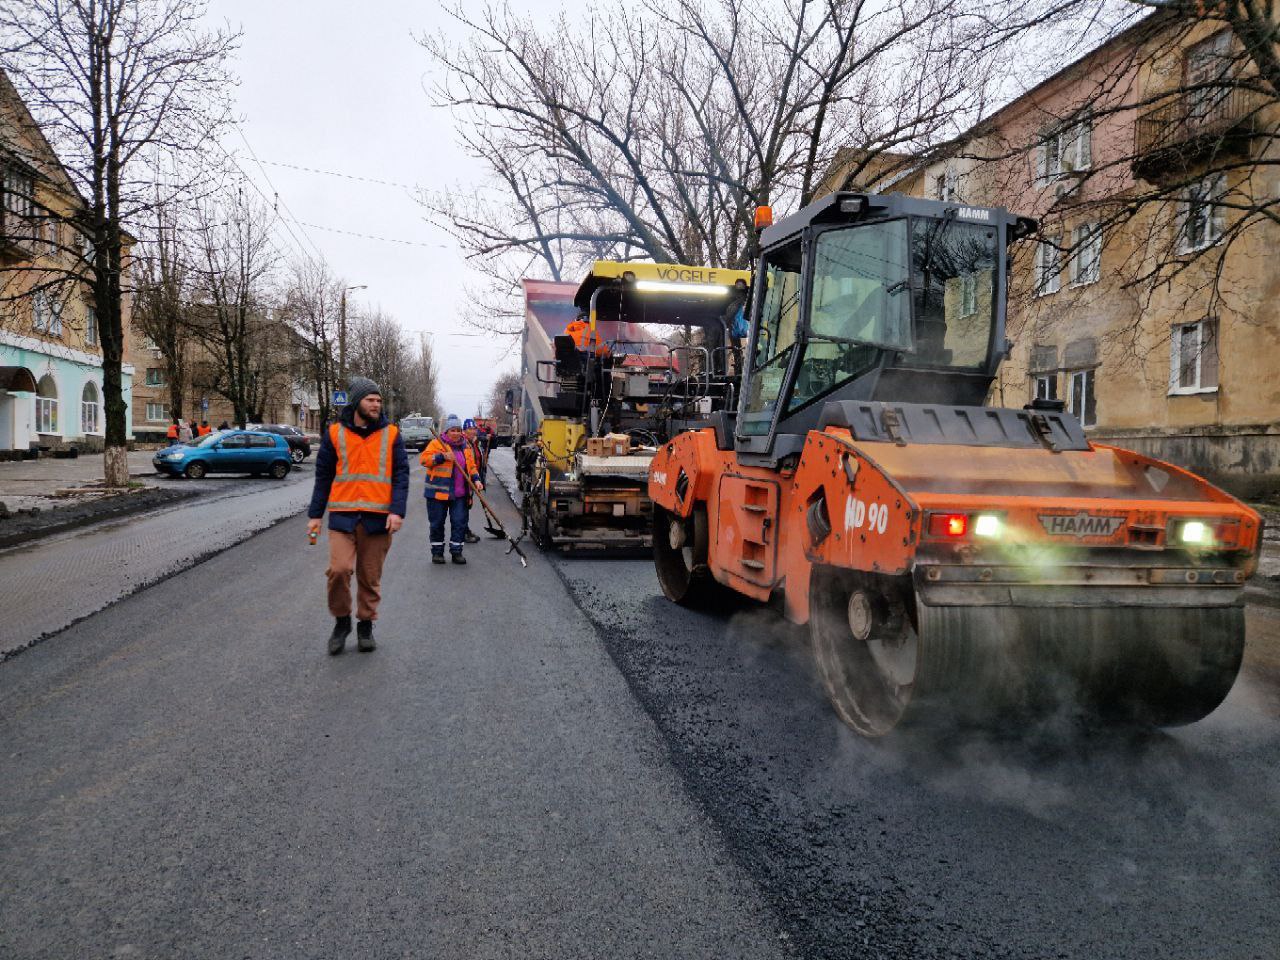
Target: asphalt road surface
x=556, y=762
x=51, y=583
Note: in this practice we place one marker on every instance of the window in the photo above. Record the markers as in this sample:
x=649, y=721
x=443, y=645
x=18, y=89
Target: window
x=19, y=194
x=89, y=407
x=1193, y=361
x=946, y=186
x=155, y=377
x=968, y=294
x=1045, y=387
x=46, y=405
x=237, y=441
x=779, y=313
x=90, y=326
x=1065, y=150
x=46, y=314
x=258, y=441
x=1080, y=400
x=157, y=412
x=1201, y=215
x=1208, y=73
x=1086, y=257
x=1048, y=266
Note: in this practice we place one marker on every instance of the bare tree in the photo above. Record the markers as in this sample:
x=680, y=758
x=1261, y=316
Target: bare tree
x=161, y=299
x=311, y=306
x=654, y=133
x=378, y=349
x=422, y=381
x=497, y=403
x=110, y=80
x=234, y=315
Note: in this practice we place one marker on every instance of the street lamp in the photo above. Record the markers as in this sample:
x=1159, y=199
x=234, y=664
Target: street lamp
x=342, y=335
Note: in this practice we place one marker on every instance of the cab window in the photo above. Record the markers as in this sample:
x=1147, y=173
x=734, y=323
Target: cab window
x=775, y=342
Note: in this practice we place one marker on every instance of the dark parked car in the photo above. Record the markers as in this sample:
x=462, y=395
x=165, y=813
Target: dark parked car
x=227, y=451
x=299, y=444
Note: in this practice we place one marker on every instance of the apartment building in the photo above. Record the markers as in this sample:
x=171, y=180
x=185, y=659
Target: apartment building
x=1149, y=302
x=50, y=357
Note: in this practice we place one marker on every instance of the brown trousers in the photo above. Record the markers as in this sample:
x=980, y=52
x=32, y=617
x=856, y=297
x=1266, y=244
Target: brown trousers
x=360, y=553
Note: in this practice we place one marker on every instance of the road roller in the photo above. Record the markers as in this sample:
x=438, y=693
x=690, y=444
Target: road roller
x=950, y=558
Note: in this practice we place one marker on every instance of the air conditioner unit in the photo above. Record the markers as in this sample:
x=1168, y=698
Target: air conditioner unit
x=1065, y=189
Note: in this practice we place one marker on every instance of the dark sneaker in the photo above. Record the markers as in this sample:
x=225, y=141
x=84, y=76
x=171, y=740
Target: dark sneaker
x=341, y=630
x=437, y=558
x=364, y=636
x=471, y=537
x=459, y=558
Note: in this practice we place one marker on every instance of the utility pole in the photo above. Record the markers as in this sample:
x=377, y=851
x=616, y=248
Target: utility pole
x=342, y=336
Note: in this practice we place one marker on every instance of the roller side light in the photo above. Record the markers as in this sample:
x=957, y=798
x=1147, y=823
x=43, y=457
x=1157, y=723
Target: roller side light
x=1205, y=532
x=948, y=526
x=987, y=525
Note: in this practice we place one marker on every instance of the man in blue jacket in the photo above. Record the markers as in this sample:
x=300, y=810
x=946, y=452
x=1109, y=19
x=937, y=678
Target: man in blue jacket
x=362, y=479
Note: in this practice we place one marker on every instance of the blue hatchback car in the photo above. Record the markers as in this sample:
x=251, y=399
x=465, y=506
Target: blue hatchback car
x=227, y=451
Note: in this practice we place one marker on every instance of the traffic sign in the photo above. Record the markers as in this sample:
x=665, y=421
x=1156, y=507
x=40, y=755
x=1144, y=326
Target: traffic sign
x=339, y=398
x=204, y=403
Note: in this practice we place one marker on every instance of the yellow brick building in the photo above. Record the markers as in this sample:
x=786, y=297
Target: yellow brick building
x=50, y=356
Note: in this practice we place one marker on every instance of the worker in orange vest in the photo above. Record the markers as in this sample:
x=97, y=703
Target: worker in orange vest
x=172, y=432
x=586, y=337
x=362, y=479
x=450, y=461
x=204, y=429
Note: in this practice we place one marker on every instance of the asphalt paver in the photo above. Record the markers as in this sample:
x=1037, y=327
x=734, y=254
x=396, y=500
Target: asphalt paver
x=188, y=774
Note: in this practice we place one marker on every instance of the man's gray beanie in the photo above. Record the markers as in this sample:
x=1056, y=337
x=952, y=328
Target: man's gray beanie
x=359, y=388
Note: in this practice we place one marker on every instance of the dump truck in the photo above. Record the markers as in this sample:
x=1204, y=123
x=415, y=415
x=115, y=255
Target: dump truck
x=951, y=559
x=594, y=409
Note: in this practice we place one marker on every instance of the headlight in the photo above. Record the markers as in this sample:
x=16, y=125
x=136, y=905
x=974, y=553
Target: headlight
x=1193, y=533
x=986, y=525
x=174, y=456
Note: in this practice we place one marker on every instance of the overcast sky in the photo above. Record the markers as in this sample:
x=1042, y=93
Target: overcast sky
x=339, y=86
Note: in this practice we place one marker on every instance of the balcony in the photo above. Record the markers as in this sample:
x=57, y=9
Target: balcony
x=16, y=241
x=1192, y=128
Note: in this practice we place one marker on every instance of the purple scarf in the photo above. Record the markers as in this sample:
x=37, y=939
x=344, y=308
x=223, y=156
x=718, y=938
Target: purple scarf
x=460, y=457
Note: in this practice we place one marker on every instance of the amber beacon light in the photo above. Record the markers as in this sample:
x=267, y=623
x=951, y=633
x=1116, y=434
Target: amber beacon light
x=764, y=217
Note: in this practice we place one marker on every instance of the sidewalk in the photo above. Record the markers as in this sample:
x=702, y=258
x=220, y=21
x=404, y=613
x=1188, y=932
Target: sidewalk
x=50, y=495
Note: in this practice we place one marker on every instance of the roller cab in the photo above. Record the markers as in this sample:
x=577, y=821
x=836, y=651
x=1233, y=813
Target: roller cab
x=951, y=559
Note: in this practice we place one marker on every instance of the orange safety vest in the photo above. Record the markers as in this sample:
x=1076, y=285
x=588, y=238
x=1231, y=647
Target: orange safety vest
x=440, y=477
x=172, y=432
x=362, y=480
x=586, y=338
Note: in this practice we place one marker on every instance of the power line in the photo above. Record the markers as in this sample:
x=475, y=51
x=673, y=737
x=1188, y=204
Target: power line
x=281, y=220
x=344, y=176
x=369, y=236
x=278, y=198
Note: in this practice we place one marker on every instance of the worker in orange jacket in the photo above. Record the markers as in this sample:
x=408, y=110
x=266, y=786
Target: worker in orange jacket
x=172, y=433
x=449, y=460
x=586, y=337
x=362, y=479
